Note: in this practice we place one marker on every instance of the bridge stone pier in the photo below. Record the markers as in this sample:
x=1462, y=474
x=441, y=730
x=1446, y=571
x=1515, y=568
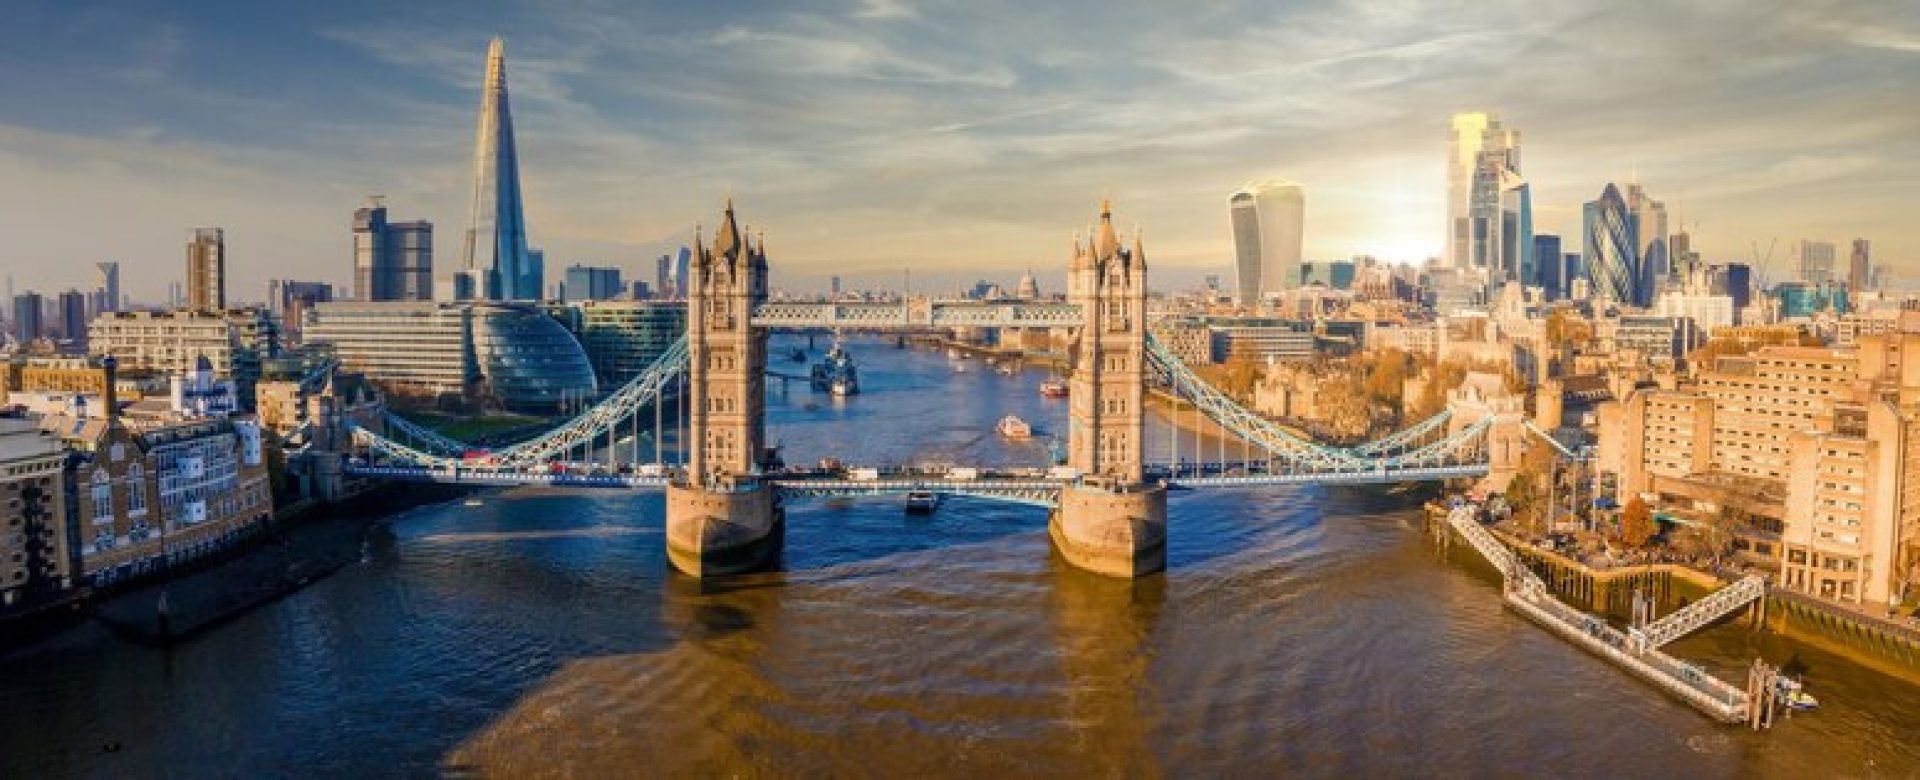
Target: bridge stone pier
x=1113, y=522
x=721, y=517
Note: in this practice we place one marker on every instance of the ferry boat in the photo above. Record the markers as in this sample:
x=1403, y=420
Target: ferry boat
x=1053, y=388
x=922, y=502
x=837, y=374
x=1014, y=428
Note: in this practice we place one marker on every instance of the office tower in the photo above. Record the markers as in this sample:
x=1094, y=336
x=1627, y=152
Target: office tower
x=1813, y=261
x=106, y=287
x=680, y=265
x=1625, y=238
x=175, y=297
x=591, y=283
x=1650, y=232
x=1686, y=262
x=392, y=261
x=1268, y=218
x=1859, y=267
x=73, y=317
x=496, y=241
x=1477, y=141
x=28, y=320
x=289, y=301
x=1737, y=281
x=207, y=270
x=1550, y=267
x=1499, y=221
x=663, y=268
x=834, y=285
x=640, y=291
x=1612, y=260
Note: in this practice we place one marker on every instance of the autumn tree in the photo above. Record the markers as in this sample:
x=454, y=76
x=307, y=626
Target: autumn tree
x=1636, y=523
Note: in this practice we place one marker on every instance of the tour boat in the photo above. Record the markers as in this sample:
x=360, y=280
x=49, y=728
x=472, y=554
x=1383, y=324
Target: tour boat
x=1014, y=428
x=1053, y=388
x=922, y=502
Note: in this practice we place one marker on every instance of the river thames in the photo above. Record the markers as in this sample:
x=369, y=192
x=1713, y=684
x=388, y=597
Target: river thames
x=1299, y=631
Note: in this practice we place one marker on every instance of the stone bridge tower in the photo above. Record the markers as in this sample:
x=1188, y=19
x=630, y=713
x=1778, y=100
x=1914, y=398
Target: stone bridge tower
x=1112, y=522
x=720, y=517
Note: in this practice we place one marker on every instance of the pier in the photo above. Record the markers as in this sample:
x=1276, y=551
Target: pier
x=1637, y=649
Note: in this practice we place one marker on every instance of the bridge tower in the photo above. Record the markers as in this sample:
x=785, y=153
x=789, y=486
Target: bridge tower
x=1112, y=522
x=1484, y=396
x=721, y=518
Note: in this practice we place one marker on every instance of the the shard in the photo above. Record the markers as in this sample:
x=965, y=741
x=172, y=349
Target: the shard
x=496, y=246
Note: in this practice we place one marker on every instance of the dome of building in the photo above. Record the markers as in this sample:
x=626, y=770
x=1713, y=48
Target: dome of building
x=529, y=361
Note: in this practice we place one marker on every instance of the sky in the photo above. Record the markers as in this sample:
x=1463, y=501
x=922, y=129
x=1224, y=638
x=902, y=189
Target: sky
x=952, y=139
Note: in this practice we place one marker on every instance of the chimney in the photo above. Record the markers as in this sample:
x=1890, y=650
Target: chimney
x=112, y=393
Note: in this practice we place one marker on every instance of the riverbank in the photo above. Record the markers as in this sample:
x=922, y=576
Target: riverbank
x=288, y=557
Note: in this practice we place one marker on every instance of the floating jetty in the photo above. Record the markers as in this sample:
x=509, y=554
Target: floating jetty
x=1636, y=649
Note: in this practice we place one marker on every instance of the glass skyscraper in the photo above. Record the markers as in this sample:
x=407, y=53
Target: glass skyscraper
x=1268, y=222
x=1626, y=245
x=496, y=241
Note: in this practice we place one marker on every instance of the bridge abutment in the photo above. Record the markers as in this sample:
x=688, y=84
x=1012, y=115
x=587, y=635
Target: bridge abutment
x=725, y=529
x=1115, y=531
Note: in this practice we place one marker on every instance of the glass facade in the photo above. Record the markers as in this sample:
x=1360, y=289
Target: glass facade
x=528, y=361
x=1611, y=256
x=497, y=229
x=623, y=338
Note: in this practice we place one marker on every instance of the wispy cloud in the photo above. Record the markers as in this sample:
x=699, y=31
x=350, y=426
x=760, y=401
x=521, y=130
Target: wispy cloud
x=950, y=135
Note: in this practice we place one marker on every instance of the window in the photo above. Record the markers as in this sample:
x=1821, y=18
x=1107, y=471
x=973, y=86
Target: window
x=102, y=496
x=136, y=490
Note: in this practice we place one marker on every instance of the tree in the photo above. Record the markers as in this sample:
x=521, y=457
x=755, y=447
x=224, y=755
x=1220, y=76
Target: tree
x=1636, y=523
x=1523, y=496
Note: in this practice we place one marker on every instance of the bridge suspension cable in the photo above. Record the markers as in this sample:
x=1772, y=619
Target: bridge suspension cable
x=435, y=450
x=1408, y=448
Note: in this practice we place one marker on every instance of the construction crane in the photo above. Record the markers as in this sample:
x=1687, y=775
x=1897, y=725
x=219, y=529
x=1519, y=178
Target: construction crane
x=1763, y=264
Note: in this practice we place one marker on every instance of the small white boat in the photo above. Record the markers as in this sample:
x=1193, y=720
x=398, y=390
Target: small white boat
x=1006, y=370
x=955, y=354
x=1014, y=428
x=959, y=368
x=472, y=502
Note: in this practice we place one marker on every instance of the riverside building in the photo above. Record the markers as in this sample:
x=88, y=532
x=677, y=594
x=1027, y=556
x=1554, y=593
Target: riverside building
x=1815, y=449
x=511, y=356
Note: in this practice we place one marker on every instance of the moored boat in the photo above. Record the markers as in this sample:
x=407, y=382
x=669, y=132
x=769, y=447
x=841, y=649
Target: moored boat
x=1013, y=427
x=1053, y=388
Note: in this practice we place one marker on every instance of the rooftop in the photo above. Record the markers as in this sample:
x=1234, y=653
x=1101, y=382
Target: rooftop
x=21, y=439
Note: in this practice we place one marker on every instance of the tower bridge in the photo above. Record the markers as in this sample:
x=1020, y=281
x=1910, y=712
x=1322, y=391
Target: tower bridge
x=1107, y=503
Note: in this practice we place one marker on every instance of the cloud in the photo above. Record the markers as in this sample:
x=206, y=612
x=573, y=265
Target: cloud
x=969, y=135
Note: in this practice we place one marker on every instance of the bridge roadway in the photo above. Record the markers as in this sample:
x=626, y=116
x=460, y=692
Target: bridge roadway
x=917, y=313
x=1030, y=486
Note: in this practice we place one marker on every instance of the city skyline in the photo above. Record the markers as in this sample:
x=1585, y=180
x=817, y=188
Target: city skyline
x=874, y=136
